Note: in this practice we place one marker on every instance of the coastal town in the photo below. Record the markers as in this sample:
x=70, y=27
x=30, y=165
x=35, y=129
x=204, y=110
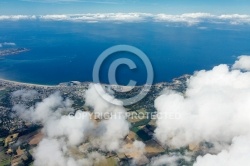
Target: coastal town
x=19, y=138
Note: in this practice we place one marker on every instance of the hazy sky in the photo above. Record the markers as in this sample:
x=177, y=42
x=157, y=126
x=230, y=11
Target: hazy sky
x=150, y=6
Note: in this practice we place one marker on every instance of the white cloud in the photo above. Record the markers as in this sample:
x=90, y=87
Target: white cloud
x=62, y=132
x=75, y=130
x=49, y=153
x=54, y=17
x=55, y=152
x=237, y=154
x=51, y=107
x=124, y=17
x=7, y=44
x=195, y=18
x=242, y=63
x=111, y=131
x=215, y=107
x=187, y=18
x=235, y=18
x=17, y=17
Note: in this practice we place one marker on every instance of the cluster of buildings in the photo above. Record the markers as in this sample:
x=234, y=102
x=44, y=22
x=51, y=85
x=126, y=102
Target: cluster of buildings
x=30, y=134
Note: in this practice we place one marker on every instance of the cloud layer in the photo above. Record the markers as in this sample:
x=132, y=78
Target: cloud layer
x=188, y=18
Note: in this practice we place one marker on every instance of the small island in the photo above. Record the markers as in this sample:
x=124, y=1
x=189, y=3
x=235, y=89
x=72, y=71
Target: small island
x=12, y=51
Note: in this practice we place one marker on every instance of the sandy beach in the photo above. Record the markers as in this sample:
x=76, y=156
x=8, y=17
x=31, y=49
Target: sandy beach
x=27, y=84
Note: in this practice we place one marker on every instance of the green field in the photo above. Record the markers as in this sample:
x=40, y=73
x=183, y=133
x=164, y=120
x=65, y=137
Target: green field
x=4, y=159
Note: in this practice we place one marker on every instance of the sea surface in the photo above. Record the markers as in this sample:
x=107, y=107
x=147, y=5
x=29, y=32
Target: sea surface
x=67, y=51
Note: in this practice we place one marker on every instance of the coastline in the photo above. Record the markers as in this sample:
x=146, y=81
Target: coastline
x=27, y=84
x=185, y=76
x=52, y=86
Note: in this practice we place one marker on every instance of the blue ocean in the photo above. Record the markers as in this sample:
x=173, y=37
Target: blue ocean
x=67, y=51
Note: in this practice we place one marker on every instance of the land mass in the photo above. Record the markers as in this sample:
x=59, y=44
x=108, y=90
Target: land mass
x=12, y=51
x=28, y=134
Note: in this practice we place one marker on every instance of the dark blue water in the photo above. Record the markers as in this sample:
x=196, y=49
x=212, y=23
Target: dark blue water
x=66, y=51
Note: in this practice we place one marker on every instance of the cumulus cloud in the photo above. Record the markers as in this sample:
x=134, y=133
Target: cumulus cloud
x=61, y=131
x=237, y=154
x=75, y=129
x=114, y=127
x=66, y=130
x=215, y=109
x=52, y=152
x=97, y=98
x=213, y=101
x=43, y=154
x=242, y=63
x=139, y=147
x=111, y=133
x=52, y=107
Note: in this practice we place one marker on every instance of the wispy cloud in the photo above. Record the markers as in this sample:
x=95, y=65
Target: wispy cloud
x=7, y=44
x=17, y=17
